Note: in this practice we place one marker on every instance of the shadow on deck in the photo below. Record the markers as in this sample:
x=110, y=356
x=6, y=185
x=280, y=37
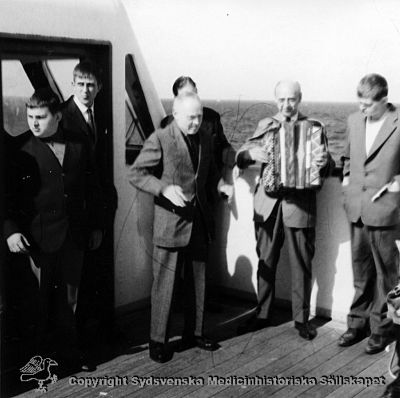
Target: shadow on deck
x=276, y=358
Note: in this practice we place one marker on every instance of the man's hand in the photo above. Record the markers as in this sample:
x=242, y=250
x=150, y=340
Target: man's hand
x=346, y=181
x=17, y=243
x=259, y=154
x=236, y=172
x=95, y=239
x=321, y=160
x=394, y=187
x=225, y=190
x=175, y=195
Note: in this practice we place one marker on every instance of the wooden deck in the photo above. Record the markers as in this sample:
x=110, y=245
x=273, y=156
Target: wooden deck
x=276, y=351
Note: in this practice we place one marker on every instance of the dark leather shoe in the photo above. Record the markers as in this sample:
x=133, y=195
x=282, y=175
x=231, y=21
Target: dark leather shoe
x=393, y=389
x=76, y=363
x=351, y=336
x=159, y=352
x=252, y=325
x=197, y=341
x=306, y=330
x=86, y=364
x=377, y=343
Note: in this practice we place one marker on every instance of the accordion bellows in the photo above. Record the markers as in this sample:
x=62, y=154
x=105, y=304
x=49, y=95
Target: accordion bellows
x=290, y=163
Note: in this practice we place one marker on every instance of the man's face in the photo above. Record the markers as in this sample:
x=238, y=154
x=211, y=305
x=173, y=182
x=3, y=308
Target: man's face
x=42, y=122
x=287, y=99
x=188, y=116
x=372, y=109
x=85, y=89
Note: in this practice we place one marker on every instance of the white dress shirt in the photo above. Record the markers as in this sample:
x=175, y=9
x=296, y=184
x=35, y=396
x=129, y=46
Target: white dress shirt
x=83, y=109
x=372, y=128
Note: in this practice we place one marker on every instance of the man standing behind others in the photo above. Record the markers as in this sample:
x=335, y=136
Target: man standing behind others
x=175, y=165
x=83, y=114
x=276, y=216
x=80, y=114
x=372, y=202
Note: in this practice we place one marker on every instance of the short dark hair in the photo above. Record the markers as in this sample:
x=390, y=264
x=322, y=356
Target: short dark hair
x=87, y=69
x=372, y=86
x=181, y=82
x=44, y=98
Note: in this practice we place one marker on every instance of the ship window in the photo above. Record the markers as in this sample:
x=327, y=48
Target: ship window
x=19, y=76
x=61, y=71
x=138, y=123
x=16, y=90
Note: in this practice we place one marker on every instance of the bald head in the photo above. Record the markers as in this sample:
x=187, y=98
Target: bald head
x=188, y=112
x=287, y=97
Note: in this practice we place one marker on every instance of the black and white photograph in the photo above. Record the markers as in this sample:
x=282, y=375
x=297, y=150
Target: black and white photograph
x=200, y=198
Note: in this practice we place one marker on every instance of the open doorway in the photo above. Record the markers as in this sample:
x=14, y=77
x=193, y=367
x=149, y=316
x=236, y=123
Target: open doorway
x=27, y=64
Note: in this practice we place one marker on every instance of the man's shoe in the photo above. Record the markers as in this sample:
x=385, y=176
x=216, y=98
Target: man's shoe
x=159, y=352
x=86, y=364
x=393, y=389
x=351, y=336
x=252, y=325
x=202, y=342
x=377, y=343
x=306, y=330
x=76, y=362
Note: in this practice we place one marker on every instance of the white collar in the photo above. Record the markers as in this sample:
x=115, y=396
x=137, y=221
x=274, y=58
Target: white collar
x=380, y=120
x=82, y=108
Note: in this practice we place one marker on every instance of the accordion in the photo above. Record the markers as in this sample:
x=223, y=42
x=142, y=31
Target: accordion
x=291, y=151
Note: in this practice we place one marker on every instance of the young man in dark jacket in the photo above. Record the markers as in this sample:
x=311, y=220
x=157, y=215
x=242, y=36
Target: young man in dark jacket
x=53, y=210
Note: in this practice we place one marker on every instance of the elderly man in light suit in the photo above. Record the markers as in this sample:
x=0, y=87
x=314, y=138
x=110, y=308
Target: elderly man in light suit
x=286, y=214
x=175, y=165
x=372, y=203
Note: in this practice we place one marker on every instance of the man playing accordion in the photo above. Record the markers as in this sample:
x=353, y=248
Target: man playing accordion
x=292, y=150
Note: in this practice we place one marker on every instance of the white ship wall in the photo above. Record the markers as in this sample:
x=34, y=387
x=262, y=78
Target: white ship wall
x=234, y=262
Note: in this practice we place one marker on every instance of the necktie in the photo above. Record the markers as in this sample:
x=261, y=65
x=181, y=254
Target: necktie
x=193, y=146
x=92, y=125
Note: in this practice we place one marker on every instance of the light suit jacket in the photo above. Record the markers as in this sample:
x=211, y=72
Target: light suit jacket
x=369, y=172
x=165, y=160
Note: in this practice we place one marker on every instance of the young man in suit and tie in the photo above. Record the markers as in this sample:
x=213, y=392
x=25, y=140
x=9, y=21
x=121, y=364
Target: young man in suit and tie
x=54, y=212
x=80, y=114
x=371, y=190
x=287, y=214
x=175, y=165
x=83, y=114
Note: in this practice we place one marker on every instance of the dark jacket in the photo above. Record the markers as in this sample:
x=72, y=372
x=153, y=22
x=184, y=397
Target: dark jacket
x=73, y=120
x=44, y=199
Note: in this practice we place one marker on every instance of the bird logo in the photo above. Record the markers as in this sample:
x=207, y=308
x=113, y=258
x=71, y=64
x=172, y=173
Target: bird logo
x=38, y=369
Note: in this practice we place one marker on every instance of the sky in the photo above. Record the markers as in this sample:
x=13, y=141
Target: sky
x=240, y=48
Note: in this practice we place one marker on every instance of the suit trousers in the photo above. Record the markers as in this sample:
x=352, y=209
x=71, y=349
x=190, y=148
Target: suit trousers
x=167, y=266
x=59, y=276
x=375, y=271
x=270, y=236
